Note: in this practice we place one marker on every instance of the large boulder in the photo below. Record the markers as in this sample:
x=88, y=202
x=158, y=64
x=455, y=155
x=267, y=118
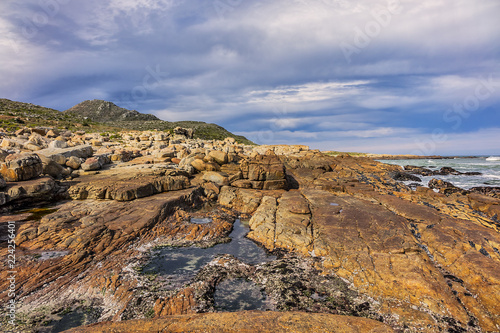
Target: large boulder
x=58, y=144
x=128, y=183
x=18, y=167
x=74, y=162
x=51, y=166
x=218, y=178
x=82, y=151
x=27, y=193
x=264, y=171
x=445, y=187
x=198, y=164
x=187, y=132
x=12, y=143
x=91, y=164
x=219, y=156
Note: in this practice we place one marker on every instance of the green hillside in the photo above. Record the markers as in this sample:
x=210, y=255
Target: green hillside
x=98, y=115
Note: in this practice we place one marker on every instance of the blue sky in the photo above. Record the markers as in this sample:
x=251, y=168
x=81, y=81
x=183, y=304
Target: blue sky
x=374, y=76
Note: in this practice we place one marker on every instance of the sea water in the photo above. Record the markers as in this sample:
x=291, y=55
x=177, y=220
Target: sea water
x=180, y=264
x=487, y=166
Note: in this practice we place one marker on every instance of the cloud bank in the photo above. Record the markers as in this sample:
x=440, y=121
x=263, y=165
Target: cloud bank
x=375, y=76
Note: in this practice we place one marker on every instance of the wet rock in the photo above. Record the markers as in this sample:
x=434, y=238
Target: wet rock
x=444, y=171
x=404, y=176
x=420, y=170
x=493, y=191
x=445, y=187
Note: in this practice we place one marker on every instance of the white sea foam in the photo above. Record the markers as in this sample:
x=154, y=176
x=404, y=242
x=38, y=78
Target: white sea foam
x=493, y=158
x=490, y=170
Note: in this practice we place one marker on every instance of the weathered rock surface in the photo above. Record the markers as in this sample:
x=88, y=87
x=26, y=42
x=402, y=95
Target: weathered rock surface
x=383, y=244
x=264, y=172
x=128, y=183
x=42, y=190
x=248, y=321
x=82, y=151
x=350, y=239
x=91, y=164
x=94, y=238
x=441, y=172
x=19, y=167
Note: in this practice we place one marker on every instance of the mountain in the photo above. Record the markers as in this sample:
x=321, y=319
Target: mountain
x=98, y=115
x=106, y=112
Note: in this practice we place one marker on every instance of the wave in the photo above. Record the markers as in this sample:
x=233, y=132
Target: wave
x=493, y=158
x=492, y=176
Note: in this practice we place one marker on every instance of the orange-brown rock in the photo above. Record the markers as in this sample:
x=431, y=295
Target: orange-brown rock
x=243, y=200
x=128, y=183
x=425, y=256
x=92, y=240
x=264, y=172
x=182, y=303
x=248, y=321
x=356, y=241
x=19, y=167
x=27, y=193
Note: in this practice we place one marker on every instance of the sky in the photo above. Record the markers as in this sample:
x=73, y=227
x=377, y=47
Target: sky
x=401, y=77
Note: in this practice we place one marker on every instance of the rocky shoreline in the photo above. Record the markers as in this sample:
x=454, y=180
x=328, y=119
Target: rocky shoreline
x=356, y=248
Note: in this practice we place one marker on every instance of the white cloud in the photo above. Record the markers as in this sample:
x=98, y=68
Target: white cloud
x=275, y=65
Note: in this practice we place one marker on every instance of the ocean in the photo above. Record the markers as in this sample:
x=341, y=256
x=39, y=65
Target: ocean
x=489, y=167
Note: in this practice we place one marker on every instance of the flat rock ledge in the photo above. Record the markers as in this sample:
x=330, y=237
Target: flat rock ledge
x=246, y=321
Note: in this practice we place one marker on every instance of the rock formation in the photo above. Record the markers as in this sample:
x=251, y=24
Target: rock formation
x=356, y=249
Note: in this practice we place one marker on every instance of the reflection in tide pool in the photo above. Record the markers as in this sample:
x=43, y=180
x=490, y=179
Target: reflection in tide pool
x=203, y=220
x=180, y=264
x=239, y=295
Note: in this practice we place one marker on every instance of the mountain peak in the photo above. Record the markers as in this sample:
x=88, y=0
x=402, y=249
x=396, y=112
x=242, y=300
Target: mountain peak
x=105, y=111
